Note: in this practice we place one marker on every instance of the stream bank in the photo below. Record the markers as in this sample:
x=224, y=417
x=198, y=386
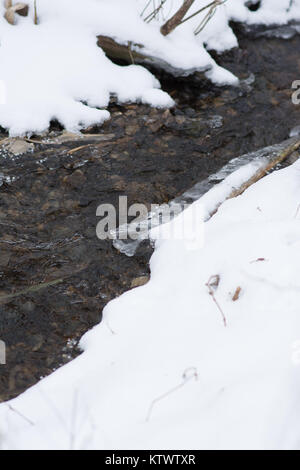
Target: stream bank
x=55, y=275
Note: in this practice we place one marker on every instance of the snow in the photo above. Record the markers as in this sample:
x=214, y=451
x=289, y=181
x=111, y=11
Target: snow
x=162, y=371
x=58, y=67
x=54, y=70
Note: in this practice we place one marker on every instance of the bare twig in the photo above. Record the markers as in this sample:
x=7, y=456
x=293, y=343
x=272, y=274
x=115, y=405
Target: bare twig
x=155, y=12
x=35, y=13
x=258, y=260
x=70, y=152
x=145, y=8
x=214, y=3
x=177, y=18
x=75, y=426
x=208, y=16
x=212, y=285
x=188, y=375
x=11, y=408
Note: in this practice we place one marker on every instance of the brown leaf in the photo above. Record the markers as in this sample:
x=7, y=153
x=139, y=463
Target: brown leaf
x=20, y=8
x=10, y=15
x=237, y=294
x=213, y=282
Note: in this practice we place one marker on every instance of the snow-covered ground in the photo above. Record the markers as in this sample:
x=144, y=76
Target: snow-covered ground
x=162, y=370
x=54, y=70
x=207, y=354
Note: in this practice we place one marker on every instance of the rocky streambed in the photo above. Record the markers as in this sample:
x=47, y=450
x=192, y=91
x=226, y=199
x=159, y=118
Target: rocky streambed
x=55, y=274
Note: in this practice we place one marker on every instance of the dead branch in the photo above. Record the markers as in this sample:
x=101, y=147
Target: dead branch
x=176, y=19
x=272, y=159
x=269, y=158
x=135, y=53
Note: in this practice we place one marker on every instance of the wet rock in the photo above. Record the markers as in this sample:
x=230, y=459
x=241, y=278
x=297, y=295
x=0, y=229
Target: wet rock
x=50, y=207
x=18, y=146
x=75, y=180
x=180, y=120
x=190, y=112
x=36, y=342
x=132, y=129
x=18, y=377
x=139, y=281
x=144, y=250
x=28, y=307
x=154, y=126
x=4, y=258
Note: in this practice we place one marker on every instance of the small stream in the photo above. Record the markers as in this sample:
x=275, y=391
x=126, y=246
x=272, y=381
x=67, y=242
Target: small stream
x=55, y=275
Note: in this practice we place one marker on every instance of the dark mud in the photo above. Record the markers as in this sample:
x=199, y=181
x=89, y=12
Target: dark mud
x=55, y=275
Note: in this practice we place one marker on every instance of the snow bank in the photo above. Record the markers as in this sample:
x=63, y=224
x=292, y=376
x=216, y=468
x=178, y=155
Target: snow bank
x=55, y=70
x=162, y=371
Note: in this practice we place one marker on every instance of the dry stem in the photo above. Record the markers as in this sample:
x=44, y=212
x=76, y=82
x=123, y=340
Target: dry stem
x=212, y=284
x=177, y=18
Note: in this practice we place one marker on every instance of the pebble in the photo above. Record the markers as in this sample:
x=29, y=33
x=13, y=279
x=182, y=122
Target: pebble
x=18, y=146
x=139, y=281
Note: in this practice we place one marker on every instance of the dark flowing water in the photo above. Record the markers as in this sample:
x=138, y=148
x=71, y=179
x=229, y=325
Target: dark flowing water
x=55, y=275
